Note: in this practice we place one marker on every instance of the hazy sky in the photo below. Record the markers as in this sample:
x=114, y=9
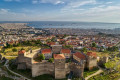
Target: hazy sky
x=60, y=10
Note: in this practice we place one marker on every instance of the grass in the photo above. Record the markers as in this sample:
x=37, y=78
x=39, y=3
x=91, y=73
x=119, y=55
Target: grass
x=43, y=77
x=103, y=76
x=87, y=73
x=5, y=69
x=9, y=52
x=10, y=58
x=46, y=77
x=5, y=78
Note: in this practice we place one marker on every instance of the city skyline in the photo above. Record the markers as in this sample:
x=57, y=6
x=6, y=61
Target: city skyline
x=60, y=10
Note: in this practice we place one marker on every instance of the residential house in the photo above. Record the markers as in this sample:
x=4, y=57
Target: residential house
x=66, y=52
x=79, y=56
x=47, y=53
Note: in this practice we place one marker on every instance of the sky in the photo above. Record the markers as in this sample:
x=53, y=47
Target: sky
x=60, y=10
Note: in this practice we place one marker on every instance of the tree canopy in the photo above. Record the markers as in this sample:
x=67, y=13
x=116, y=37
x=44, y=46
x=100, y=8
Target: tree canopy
x=41, y=57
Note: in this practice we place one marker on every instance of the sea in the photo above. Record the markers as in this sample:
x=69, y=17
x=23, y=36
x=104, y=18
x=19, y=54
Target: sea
x=68, y=24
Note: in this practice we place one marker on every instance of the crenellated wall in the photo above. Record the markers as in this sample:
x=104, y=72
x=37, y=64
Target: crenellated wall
x=58, y=69
x=42, y=68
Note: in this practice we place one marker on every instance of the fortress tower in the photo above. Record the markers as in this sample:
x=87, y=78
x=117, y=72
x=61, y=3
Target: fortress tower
x=56, y=48
x=59, y=60
x=78, y=69
x=21, y=60
x=91, y=60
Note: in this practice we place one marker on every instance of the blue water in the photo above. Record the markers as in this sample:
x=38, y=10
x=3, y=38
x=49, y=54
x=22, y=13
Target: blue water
x=65, y=24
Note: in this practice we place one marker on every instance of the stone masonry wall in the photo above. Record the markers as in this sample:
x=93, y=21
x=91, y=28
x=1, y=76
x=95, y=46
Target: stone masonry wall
x=91, y=63
x=28, y=62
x=56, y=49
x=67, y=68
x=42, y=68
x=60, y=72
x=77, y=69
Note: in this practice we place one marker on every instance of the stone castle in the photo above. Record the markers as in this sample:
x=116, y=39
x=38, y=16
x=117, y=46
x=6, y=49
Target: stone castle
x=59, y=68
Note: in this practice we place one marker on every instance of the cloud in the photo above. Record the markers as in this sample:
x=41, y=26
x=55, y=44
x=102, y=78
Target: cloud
x=109, y=2
x=48, y=1
x=72, y=10
x=6, y=14
x=77, y=4
x=3, y=11
x=34, y=1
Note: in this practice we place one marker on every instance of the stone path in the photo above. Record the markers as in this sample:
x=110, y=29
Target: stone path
x=7, y=66
x=98, y=72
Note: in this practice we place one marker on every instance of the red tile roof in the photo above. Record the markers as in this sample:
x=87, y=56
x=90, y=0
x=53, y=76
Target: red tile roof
x=59, y=56
x=51, y=43
x=46, y=51
x=21, y=52
x=68, y=51
x=1, y=43
x=79, y=55
x=92, y=54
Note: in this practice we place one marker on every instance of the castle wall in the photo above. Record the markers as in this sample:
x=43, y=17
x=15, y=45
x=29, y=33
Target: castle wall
x=67, y=68
x=60, y=72
x=56, y=48
x=28, y=62
x=91, y=63
x=59, y=68
x=102, y=61
x=42, y=68
x=24, y=62
x=77, y=69
x=21, y=58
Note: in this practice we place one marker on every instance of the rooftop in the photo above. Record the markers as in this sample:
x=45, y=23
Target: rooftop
x=59, y=56
x=79, y=55
x=68, y=51
x=92, y=54
x=46, y=51
x=21, y=52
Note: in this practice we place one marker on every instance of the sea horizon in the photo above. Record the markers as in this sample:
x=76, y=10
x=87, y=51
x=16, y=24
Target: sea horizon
x=68, y=24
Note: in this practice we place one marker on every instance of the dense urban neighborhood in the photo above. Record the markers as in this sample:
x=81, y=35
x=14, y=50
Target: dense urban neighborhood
x=58, y=53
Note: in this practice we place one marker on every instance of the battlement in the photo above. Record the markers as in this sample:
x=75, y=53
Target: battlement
x=59, y=68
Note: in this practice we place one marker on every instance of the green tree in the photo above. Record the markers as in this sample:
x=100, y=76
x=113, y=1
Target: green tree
x=8, y=45
x=68, y=46
x=14, y=50
x=41, y=57
x=93, y=44
x=2, y=50
x=53, y=39
x=22, y=49
x=51, y=60
x=110, y=64
x=48, y=40
x=113, y=49
x=84, y=49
